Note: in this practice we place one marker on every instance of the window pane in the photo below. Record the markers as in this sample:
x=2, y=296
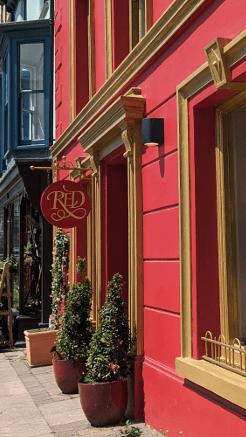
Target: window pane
x=32, y=116
x=237, y=135
x=31, y=66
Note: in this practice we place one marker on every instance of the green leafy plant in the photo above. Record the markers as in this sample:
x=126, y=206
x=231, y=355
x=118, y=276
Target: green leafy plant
x=11, y=260
x=75, y=333
x=130, y=431
x=59, y=274
x=108, y=352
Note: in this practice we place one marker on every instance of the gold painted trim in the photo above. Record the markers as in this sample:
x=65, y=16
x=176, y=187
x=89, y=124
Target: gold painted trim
x=184, y=220
x=72, y=53
x=175, y=16
x=72, y=250
x=114, y=119
x=218, y=65
x=222, y=382
x=193, y=84
x=72, y=257
x=210, y=378
x=108, y=38
x=97, y=197
x=189, y=87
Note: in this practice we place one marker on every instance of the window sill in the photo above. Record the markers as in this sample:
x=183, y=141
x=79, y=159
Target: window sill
x=222, y=382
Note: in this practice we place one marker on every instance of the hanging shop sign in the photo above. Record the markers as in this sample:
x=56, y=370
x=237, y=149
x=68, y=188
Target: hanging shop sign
x=65, y=204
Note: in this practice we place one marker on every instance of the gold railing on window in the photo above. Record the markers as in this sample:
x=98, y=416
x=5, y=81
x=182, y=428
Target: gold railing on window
x=231, y=357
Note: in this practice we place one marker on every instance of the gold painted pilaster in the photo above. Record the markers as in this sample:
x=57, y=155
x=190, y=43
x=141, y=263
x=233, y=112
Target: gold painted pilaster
x=72, y=260
x=97, y=186
x=108, y=38
x=72, y=53
x=135, y=231
x=91, y=246
x=184, y=220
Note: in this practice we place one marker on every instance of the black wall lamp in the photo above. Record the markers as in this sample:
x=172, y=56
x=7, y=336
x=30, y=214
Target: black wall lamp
x=153, y=131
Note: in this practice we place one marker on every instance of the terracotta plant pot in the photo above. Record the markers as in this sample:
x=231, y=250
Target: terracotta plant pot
x=67, y=373
x=103, y=403
x=38, y=345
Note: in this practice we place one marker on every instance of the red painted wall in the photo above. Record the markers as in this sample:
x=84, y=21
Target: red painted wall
x=62, y=66
x=172, y=403
x=100, y=51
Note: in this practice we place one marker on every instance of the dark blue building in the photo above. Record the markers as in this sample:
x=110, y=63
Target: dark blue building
x=26, y=133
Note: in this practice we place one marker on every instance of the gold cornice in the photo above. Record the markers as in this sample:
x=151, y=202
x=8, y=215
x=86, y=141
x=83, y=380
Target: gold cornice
x=175, y=16
x=115, y=119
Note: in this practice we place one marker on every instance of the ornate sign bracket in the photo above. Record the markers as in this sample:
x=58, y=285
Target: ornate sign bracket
x=219, y=65
x=64, y=165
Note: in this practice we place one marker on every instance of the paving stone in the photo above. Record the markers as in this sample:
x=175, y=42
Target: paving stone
x=66, y=427
x=66, y=434
x=32, y=405
x=81, y=425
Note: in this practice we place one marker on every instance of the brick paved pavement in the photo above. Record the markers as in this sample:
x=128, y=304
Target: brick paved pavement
x=31, y=404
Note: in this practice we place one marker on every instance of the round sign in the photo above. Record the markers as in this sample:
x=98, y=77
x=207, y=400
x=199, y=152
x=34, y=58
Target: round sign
x=65, y=204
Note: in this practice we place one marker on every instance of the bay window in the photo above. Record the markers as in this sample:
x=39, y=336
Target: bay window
x=26, y=110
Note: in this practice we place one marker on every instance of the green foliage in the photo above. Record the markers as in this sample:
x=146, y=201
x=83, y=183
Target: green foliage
x=108, y=351
x=75, y=334
x=130, y=431
x=80, y=267
x=59, y=273
x=11, y=260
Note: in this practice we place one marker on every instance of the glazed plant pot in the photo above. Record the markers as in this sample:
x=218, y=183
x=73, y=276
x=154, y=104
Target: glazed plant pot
x=67, y=373
x=38, y=345
x=103, y=403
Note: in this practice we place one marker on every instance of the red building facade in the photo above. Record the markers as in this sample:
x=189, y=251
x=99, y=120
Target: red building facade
x=170, y=218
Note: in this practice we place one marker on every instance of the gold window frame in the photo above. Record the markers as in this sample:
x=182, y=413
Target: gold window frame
x=220, y=381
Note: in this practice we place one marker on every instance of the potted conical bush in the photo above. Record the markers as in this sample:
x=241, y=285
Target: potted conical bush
x=74, y=335
x=103, y=390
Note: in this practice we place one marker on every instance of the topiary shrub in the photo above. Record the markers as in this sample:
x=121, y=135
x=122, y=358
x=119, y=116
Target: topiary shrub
x=75, y=333
x=108, y=352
